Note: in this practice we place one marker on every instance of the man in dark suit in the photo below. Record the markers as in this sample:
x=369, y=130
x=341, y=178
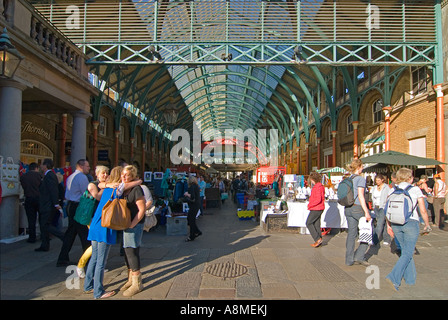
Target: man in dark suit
x=30, y=183
x=48, y=205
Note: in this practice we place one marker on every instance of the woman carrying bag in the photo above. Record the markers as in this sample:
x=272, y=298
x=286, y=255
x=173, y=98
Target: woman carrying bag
x=101, y=238
x=316, y=206
x=132, y=237
x=355, y=212
x=102, y=173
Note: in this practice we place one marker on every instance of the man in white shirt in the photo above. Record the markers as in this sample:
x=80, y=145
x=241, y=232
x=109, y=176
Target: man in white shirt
x=76, y=184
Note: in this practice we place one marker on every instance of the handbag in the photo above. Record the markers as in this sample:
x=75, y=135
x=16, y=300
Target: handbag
x=86, y=209
x=116, y=214
x=150, y=219
x=9, y=177
x=430, y=199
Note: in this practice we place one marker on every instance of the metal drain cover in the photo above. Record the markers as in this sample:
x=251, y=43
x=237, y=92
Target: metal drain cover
x=226, y=270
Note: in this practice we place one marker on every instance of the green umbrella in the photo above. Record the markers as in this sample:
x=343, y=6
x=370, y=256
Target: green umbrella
x=401, y=159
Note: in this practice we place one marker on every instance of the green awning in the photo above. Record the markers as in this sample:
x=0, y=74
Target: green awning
x=400, y=159
x=375, y=140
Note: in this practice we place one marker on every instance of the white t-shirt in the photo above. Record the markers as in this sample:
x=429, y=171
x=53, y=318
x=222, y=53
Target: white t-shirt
x=415, y=193
x=376, y=196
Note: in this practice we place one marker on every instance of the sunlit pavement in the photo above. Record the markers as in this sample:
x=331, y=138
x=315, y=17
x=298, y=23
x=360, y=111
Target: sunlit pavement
x=232, y=260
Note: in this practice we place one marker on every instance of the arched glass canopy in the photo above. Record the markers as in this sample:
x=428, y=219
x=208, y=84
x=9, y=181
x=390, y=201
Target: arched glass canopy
x=234, y=64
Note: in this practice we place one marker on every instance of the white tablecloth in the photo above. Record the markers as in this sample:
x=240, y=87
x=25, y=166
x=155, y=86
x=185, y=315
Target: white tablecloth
x=332, y=217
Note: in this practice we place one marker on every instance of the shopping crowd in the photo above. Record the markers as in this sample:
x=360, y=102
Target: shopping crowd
x=46, y=192
x=403, y=236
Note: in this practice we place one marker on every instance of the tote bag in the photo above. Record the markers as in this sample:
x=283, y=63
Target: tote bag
x=86, y=209
x=116, y=214
x=9, y=177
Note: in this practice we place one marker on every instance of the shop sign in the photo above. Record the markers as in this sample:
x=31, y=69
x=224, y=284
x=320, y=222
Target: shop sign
x=28, y=127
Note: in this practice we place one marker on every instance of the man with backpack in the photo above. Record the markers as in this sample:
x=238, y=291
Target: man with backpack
x=403, y=224
x=351, y=195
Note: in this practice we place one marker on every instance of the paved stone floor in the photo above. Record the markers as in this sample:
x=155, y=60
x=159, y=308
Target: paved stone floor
x=232, y=260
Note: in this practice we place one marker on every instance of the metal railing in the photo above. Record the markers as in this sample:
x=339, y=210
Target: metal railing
x=179, y=28
x=238, y=21
x=235, y=21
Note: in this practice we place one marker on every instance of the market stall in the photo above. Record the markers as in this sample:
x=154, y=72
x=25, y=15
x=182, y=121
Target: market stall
x=332, y=217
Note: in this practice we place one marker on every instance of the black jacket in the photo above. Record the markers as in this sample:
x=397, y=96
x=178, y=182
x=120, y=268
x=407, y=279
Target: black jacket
x=194, y=200
x=48, y=192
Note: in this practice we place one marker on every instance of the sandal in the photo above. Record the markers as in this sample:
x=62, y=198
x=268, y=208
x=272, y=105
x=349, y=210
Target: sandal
x=107, y=295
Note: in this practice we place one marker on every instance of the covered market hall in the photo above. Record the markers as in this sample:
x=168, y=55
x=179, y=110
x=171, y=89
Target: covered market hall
x=220, y=89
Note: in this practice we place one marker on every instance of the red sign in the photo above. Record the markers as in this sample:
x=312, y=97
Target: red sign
x=267, y=175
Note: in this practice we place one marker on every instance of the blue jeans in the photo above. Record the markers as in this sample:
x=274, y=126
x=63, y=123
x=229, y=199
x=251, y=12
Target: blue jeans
x=95, y=270
x=380, y=229
x=407, y=236
x=353, y=214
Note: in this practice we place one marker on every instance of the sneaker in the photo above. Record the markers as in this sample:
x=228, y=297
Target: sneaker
x=80, y=272
x=386, y=243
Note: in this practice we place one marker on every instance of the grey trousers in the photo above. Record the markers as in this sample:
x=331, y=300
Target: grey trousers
x=353, y=214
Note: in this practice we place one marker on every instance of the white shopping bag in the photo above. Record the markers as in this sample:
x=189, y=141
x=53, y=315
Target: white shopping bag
x=365, y=231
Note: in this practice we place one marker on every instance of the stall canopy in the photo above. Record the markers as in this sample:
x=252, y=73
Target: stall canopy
x=398, y=158
x=333, y=170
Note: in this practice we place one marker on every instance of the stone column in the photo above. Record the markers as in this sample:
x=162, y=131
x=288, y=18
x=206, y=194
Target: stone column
x=79, y=137
x=10, y=136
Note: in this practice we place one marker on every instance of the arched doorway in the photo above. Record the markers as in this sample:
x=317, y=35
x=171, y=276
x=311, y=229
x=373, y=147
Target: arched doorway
x=34, y=151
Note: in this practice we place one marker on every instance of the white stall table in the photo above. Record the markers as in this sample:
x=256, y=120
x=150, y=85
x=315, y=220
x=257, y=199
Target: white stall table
x=332, y=217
